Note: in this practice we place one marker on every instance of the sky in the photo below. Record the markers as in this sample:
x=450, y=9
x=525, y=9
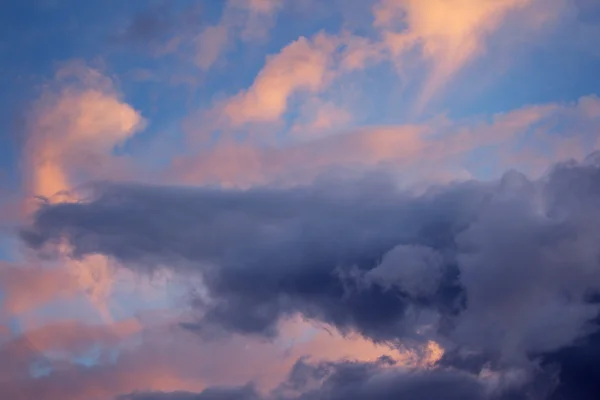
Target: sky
x=299, y=199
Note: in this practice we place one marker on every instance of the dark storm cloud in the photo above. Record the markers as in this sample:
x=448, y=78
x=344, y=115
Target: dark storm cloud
x=506, y=269
x=579, y=375
x=267, y=253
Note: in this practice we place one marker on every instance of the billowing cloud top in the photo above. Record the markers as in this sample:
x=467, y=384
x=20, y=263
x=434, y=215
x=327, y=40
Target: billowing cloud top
x=297, y=200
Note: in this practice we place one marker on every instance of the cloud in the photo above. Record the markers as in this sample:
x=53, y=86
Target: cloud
x=151, y=354
x=75, y=125
x=483, y=267
x=305, y=67
x=448, y=34
x=289, y=249
x=321, y=118
x=245, y=20
x=25, y=288
x=239, y=164
x=72, y=338
x=419, y=275
x=358, y=381
x=72, y=132
x=211, y=44
x=578, y=377
x=221, y=393
x=433, y=150
x=300, y=66
x=47, y=350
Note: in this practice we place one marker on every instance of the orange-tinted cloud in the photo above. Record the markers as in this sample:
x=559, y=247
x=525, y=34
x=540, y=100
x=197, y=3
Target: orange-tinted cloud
x=233, y=163
x=169, y=358
x=72, y=131
x=449, y=33
x=320, y=117
x=303, y=65
x=72, y=338
x=26, y=288
x=418, y=149
x=73, y=128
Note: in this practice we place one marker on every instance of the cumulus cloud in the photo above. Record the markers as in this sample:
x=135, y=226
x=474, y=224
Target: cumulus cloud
x=484, y=267
x=72, y=132
x=75, y=126
x=519, y=250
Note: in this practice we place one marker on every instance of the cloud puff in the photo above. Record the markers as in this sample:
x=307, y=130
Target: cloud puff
x=75, y=125
x=302, y=65
x=417, y=270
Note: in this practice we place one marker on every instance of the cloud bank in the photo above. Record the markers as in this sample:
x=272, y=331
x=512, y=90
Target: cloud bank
x=481, y=267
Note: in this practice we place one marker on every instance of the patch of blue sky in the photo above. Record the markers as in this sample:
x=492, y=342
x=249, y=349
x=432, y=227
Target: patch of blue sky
x=544, y=74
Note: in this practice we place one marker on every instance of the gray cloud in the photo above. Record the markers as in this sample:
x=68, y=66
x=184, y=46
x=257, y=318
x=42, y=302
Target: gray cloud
x=504, y=268
x=265, y=253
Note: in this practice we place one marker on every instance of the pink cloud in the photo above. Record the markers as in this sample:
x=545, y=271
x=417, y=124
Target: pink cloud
x=320, y=117
x=233, y=163
x=26, y=288
x=169, y=358
x=449, y=34
x=74, y=126
x=72, y=131
x=445, y=36
x=420, y=150
x=302, y=65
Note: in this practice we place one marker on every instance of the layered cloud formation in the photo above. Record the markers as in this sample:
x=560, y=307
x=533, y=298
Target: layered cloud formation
x=483, y=268
x=297, y=200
